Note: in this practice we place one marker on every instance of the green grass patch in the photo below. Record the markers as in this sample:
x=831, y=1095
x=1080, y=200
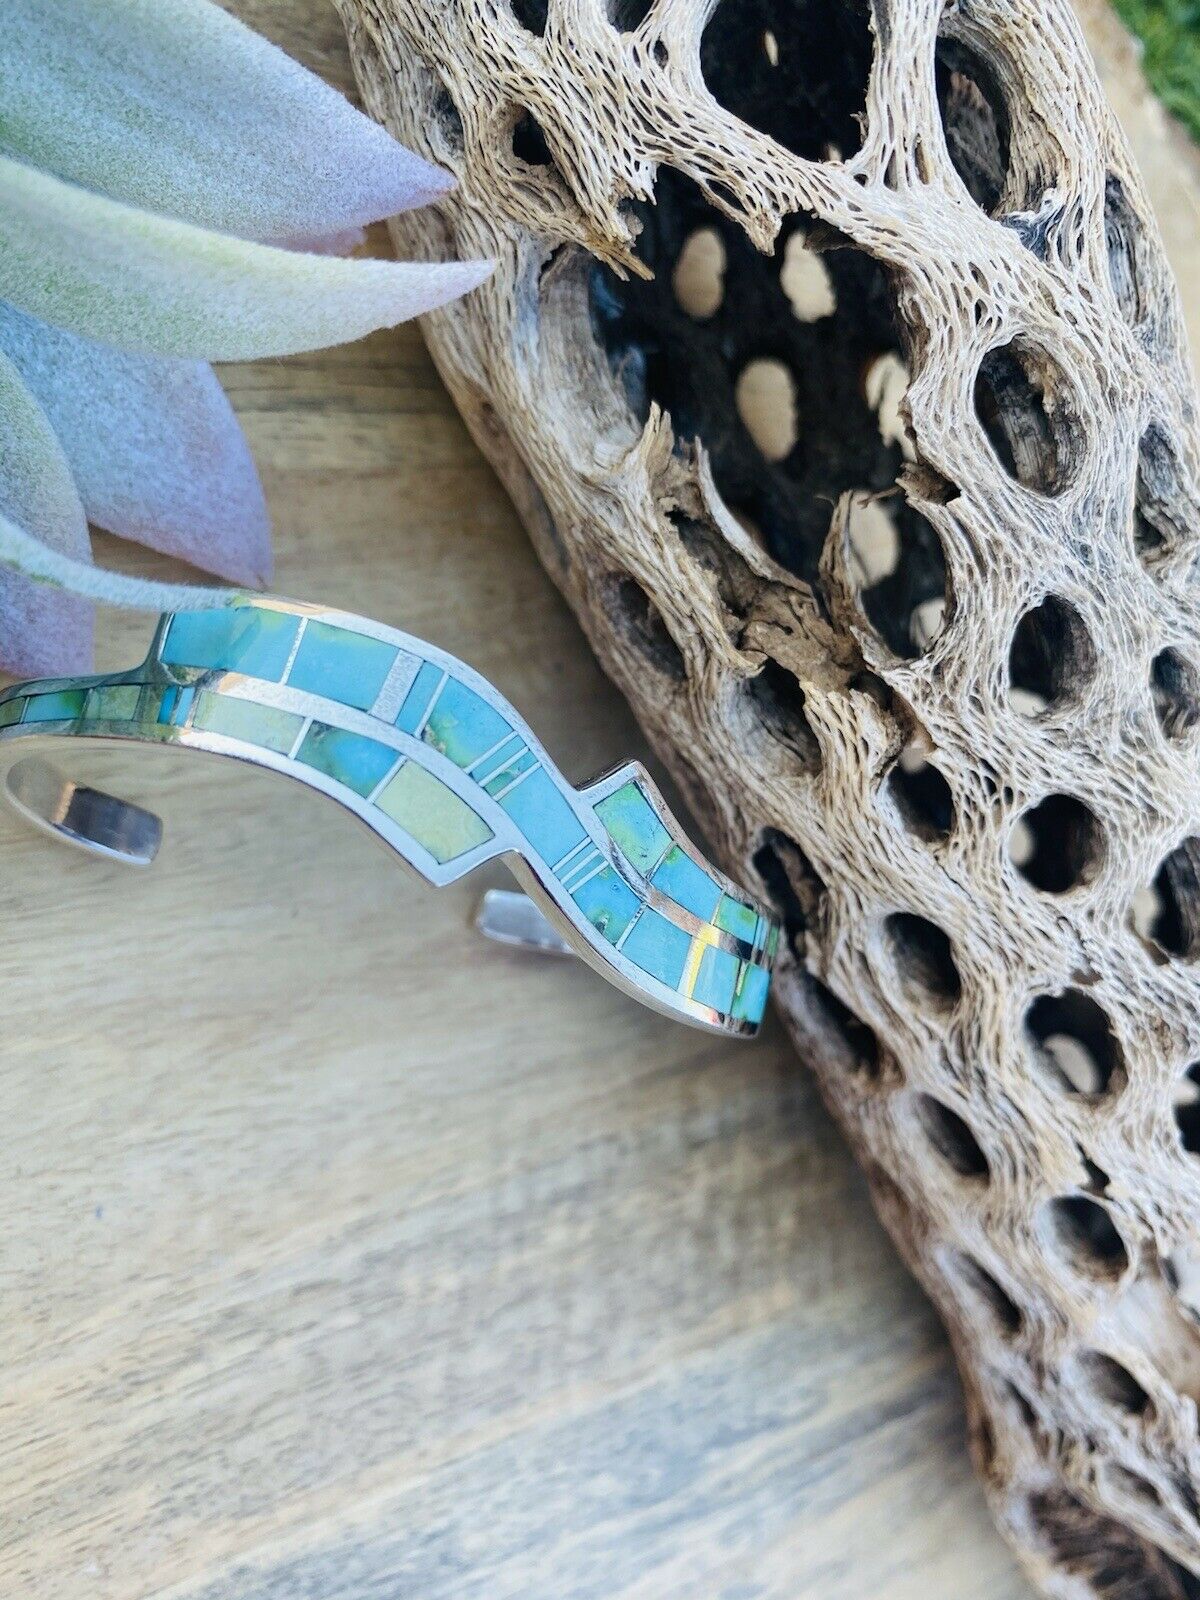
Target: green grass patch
x=1170, y=31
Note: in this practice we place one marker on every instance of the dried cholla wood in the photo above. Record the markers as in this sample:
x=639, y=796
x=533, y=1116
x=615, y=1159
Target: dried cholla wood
x=951, y=728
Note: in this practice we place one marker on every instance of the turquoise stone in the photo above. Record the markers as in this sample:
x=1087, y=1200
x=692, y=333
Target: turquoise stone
x=174, y=705
x=64, y=706
x=114, y=702
x=416, y=701
x=431, y=813
x=247, y=720
x=678, y=877
x=463, y=726
x=516, y=760
x=348, y=758
x=633, y=826
x=658, y=947
x=341, y=665
x=235, y=639
x=608, y=903
x=544, y=816
x=716, y=980
x=737, y=918
x=750, y=1001
x=10, y=712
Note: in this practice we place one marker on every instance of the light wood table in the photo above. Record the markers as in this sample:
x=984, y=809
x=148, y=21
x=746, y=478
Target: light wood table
x=348, y=1258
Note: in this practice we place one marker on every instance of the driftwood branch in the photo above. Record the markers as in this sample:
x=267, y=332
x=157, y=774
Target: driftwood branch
x=834, y=365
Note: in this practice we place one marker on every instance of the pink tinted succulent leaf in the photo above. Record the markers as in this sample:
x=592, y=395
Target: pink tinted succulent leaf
x=176, y=107
x=149, y=283
x=42, y=631
x=156, y=451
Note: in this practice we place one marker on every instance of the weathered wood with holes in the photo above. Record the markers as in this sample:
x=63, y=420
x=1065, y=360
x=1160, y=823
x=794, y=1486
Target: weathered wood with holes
x=956, y=740
x=345, y=1258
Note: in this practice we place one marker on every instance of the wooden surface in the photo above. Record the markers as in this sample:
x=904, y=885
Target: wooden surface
x=347, y=1258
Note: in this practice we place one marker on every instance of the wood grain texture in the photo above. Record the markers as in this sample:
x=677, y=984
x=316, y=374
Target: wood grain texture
x=341, y=1261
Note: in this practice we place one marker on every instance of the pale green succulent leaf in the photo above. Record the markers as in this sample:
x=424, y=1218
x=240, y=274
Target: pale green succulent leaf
x=51, y=569
x=148, y=283
x=177, y=107
x=154, y=447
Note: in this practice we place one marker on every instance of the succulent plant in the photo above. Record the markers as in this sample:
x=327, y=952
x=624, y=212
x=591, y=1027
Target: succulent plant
x=174, y=190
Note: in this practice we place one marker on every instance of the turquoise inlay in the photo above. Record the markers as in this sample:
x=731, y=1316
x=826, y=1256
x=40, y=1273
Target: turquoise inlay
x=513, y=766
x=350, y=758
x=608, y=903
x=245, y=719
x=232, y=639
x=688, y=885
x=114, y=702
x=463, y=726
x=428, y=810
x=416, y=701
x=341, y=665
x=716, y=979
x=10, y=712
x=772, y=942
x=633, y=826
x=658, y=947
x=750, y=1001
x=543, y=816
x=737, y=918
x=64, y=706
x=174, y=706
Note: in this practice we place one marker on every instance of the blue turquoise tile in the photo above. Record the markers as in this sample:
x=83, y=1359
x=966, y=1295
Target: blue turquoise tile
x=174, y=705
x=513, y=762
x=63, y=706
x=688, y=885
x=658, y=947
x=737, y=918
x=634, y=827
x=233, y=639
x=463, y=726
x=716, y=980
x=750, y=1001
x=341, y=665
x=543, y=816
x=421, y=692
x=608, y=903
x=349, y=758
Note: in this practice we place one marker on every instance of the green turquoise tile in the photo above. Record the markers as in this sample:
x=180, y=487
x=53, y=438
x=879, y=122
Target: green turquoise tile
x=416, y=702
x=716, y=980
x=266, y=726
x=463, y=726
x=737, y=918
x=10, y=712
x=341, y=665
x=115, y=702
x=634, y=827
x=750, y=1001
x=772, y=942
x=544, y=816
x=658, y=947
x=348, y=758
x=233, y=639
x=63, y=706
x=608, y=903
x=432, y=813
x=681, y=880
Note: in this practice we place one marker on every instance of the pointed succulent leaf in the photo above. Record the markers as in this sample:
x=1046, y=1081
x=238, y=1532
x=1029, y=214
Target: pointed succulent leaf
x=149, y=283
x=155, y=449
x=176, y=107
x=41, y=631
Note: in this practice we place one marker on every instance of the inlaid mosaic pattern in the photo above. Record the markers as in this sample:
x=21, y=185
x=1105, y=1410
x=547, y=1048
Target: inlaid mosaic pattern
x=417, y=743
